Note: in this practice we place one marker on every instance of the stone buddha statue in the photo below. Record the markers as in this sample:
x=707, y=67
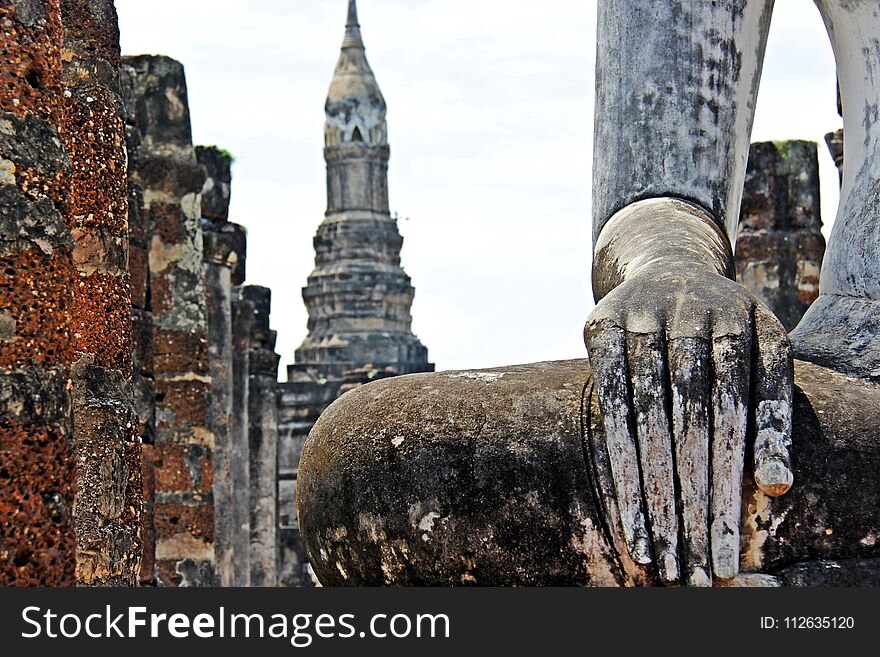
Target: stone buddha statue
x=699, y=444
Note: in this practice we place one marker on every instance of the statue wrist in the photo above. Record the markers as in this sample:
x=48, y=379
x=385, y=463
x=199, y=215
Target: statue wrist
x=665, y=233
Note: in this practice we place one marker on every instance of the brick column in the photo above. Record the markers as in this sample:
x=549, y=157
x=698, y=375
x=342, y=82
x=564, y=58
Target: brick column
x=224, y=254
x=37, y=543
x=172, y=181
x=242, y=319
x=263, y=432
x=106, y=439
x=780, y=247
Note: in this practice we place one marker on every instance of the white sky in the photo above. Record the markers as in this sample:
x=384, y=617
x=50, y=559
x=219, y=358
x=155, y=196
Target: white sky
x=490, y=123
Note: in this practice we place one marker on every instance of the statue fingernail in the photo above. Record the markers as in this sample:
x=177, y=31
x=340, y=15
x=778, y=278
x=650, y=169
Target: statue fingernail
x=641, y=551
x=726, y=554
x=669, y=568
x=699, y=577
x=773, y=476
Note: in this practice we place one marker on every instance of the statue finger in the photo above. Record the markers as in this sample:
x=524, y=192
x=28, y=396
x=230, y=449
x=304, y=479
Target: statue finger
x=774, y=380
x=689, y=359
x=731, y=356
x=647, y=365
x=607, y=351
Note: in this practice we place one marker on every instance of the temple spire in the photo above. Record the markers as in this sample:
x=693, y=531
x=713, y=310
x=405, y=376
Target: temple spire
x=352, y=28
x=355, y=107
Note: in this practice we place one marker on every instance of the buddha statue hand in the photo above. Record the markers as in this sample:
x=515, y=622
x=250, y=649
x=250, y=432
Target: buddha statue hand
x=688, y=366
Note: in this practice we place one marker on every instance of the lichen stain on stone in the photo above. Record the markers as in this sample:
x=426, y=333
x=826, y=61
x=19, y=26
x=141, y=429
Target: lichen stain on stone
x=7, y=172
x=486, y=377
x=426, y=524
x=184, y=545
x=761, y=525
x=162, y=255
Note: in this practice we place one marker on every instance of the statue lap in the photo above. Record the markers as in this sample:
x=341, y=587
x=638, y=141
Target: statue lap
x=499, y=477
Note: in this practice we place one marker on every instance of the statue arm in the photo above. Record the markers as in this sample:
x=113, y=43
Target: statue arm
x=681, y=354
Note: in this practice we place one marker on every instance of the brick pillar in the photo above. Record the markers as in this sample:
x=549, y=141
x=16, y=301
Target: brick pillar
x=37, y=542
x=172, y=181
x=143, y=380
x=242, y=319
x=224, y=254
x=780, y=247
x=106, y=440
x=263, y=432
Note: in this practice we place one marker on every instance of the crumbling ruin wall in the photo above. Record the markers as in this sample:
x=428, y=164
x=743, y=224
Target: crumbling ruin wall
x=779, y=248
x=172, y=181
x=263, y=440
x=242, y=319
x=37, y=543
x=143, y=380
x=106, y=439
x=224, y=249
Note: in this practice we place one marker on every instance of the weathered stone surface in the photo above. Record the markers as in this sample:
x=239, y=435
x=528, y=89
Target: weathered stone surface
x=242, y=320
x=495, y=477
x=106, y=435
x=160, y=107
x=842, y=572
x=37, y=466
x=262, y=417
x=673, y=116
x=839, y=330
x=172, y=180
x=779, y=247
x=109, y=477
x=223, y=249
x=218, y=184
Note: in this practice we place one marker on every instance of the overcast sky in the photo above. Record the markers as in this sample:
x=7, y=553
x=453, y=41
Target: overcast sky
x=490, y=122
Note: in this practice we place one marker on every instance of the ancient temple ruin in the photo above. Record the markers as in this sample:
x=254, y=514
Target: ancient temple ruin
x=126, y=455
x=144, y=437
x=779, y=248
x=358, y=296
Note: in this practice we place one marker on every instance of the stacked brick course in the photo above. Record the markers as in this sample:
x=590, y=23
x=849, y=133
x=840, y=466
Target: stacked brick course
x=780, y=246
x=224, y=249
x=263, y=440
x=172, y=179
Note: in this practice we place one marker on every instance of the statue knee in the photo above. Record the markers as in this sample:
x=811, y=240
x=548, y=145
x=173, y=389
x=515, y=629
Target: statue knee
x=474, y=477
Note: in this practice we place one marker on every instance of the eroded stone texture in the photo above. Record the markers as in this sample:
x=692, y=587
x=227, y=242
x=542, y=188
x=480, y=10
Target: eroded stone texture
x=37, y=466
x=242, y=321
x=172, y=180
x=106, y=436
x=358, y=296
x=143, y=380
x=263, y=440
x=223, y=249
x=779, y=248
x=500, y=477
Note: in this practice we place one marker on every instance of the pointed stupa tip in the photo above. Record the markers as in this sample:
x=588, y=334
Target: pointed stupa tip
x=352, y=28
